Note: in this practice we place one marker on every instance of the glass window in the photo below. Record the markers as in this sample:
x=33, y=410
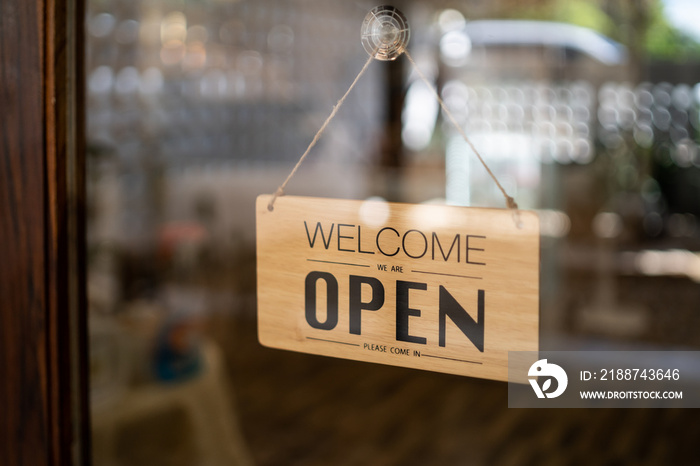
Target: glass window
x=586, y=111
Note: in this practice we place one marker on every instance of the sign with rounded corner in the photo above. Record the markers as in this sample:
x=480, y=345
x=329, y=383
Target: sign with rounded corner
x=440, y=288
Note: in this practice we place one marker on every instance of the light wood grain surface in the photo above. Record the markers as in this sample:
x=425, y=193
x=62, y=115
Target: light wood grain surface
x=425, y=260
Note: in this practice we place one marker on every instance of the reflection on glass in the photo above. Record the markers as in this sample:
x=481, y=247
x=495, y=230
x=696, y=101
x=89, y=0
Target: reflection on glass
x=195, y=108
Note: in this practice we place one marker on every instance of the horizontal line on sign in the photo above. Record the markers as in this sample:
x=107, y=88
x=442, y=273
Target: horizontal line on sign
x=451, y=359
x=446, y=274
x=339, y=263
x=332, y=341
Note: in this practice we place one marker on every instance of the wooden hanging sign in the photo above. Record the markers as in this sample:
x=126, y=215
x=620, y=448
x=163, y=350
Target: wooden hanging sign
x=440, y=288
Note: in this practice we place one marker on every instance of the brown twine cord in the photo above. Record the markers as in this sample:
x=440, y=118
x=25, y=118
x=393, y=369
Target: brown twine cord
x=510, y=202
x=280, y=190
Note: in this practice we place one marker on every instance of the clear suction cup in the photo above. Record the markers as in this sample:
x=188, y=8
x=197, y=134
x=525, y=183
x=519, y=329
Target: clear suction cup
x=385, y=33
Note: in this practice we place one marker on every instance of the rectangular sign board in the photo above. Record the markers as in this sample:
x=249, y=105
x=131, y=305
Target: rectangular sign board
x=440, y=288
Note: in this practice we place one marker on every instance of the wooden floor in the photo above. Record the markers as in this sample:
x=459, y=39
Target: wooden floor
x=298, y=409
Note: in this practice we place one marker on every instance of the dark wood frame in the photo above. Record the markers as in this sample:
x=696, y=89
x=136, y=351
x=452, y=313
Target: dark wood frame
x=43, y=350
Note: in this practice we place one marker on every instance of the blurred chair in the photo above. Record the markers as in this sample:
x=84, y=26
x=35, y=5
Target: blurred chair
x=183, y=423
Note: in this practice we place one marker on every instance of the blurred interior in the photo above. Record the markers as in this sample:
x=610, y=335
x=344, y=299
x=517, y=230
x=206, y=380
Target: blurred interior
x=587, y=111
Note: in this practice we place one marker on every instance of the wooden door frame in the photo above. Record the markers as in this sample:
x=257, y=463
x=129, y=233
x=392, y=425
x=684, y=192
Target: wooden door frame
x=43, y=338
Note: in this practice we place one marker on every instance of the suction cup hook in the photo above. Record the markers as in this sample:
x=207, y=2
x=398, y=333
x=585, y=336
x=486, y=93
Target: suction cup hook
x=385, y=33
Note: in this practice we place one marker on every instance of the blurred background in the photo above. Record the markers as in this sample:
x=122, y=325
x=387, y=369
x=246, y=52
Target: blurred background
x=588, y=111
